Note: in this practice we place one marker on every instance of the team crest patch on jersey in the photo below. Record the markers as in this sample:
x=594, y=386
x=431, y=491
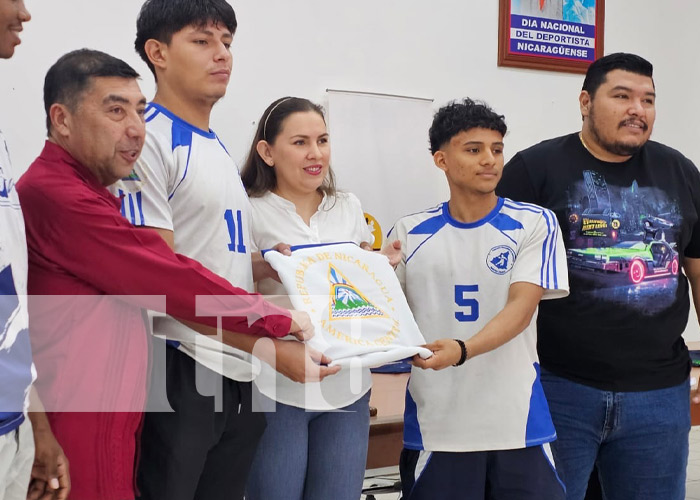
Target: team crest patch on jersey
x=500, y=259
x=347, y=302
x=133, y=176
x=132, y=183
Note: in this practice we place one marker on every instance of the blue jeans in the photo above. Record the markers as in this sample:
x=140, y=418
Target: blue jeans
x=638, y=440
x=311, y=455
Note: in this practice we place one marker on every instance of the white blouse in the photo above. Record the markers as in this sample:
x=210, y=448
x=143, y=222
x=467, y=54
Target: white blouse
x=338, y=219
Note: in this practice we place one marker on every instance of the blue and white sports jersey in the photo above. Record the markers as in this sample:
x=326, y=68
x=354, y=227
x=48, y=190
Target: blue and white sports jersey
x=185, y=181
x=456, y=277
x=16, y=369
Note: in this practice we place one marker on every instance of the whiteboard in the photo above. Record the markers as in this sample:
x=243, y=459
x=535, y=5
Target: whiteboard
x=380, y=152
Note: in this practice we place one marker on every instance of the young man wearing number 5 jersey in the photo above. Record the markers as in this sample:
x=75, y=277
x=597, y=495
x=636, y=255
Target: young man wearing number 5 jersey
x=474, y=269
x=186, y=186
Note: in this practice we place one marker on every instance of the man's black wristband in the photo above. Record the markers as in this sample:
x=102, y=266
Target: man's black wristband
x=463, y=357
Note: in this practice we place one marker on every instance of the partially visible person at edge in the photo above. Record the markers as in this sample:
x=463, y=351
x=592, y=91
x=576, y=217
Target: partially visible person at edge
x=47, y=468
x=615, y=367
x=292, y=191
x=91, y=271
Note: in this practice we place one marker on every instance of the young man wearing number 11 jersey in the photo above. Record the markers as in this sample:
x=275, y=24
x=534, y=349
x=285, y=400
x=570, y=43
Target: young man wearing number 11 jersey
x=186, y=186
x=476, y=424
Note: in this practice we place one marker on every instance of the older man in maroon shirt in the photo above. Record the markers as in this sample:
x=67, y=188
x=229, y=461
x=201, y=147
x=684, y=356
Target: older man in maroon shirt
x=90, y=272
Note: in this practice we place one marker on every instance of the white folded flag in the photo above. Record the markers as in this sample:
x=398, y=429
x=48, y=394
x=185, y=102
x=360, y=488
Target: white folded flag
x=355, y=302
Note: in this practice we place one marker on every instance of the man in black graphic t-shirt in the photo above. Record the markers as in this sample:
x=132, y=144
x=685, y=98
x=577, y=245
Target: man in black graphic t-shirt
x=615, y=368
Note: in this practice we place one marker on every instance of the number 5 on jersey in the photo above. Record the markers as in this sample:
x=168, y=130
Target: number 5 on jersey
x=462, y=299
x=235, y=231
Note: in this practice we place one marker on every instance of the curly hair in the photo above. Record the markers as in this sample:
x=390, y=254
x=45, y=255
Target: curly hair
x=460, y=116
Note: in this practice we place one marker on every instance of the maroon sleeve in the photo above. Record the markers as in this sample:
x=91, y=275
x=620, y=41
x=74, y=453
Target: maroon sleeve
x=83, y=234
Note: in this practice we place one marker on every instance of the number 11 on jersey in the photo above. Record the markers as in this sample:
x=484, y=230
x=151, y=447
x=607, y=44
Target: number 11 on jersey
x=235, y=231
x=462, y=300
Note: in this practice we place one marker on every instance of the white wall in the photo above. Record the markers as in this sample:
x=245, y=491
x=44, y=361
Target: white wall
x=441, y=49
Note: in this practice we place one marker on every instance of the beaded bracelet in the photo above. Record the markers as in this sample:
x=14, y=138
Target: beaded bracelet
x=463, y=357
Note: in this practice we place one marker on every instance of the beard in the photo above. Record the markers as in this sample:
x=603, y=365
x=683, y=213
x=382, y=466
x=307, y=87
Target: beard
x=618, y=148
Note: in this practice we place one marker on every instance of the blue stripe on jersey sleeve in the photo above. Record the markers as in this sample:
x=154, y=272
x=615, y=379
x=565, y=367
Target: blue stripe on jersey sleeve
x=504, y=222
x=16, y=368
x=151, y=112
x=9, y=303
x=527, y=207
x=16, y=357
x=553, y=248
x=132, y=210
x=430, y=226
x=540, y=428
x=122, y=198
x=181, y=137
x=549, y=246
x=412, y=437
x=544, y=271
x=139, y=203
x=548, y=271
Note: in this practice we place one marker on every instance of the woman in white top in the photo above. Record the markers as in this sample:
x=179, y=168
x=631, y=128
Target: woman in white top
x=315, y=443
